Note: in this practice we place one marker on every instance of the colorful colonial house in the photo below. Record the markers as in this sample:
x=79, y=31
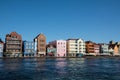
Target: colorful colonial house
x=1, y=48
x=13, y=45
x=29, y=49
x=40, y=45
x=97, y=49
x=113, y=48
x=118, y=43
x=104, y=49
x=75, y=47
x=60, y=47
x=116, y=50
x=51, y=50
x=89, y=47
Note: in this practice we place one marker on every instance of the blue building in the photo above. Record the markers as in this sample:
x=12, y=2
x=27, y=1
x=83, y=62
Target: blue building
x=29, y=49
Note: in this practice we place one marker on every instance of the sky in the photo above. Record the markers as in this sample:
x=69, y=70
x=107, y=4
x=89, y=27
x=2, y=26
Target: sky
x=95, y=20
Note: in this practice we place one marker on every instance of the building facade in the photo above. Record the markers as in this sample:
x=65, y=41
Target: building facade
x=60, y=47
x=13, y=46
x=51, y=50
x=89, y=47
x=29, y=49
x=40, y=45
x=97, y=49
x=75, y=47
x=71, y=47
x=114, y=48
x=1, y=48
x=104, y=49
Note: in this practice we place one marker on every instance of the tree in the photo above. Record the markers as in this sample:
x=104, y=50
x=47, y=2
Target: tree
x=111, y=53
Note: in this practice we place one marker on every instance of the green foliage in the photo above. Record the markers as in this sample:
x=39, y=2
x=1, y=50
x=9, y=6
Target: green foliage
x=111, y=53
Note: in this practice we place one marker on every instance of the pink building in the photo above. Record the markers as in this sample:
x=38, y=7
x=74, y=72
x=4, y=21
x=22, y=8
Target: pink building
x=61, y=47
x=97, y=48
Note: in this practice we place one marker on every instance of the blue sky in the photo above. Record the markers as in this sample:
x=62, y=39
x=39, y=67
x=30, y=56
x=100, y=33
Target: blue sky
x=96, y=20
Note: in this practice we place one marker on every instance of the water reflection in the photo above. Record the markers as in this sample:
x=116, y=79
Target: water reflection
x=1, y=64
x=60, y=69
x=11, y=64
x=61, y=63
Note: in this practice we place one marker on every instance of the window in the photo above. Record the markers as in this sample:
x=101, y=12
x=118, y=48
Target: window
x=42, y=40
x=42, y=49
x=42, y=45
x=27, y=47
x=26, y=43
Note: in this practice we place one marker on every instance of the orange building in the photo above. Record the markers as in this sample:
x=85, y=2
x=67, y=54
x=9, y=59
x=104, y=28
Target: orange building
x=89, y=46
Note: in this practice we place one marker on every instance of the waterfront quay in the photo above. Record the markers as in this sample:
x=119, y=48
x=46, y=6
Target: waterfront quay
x=14, y=46
x=82, y=56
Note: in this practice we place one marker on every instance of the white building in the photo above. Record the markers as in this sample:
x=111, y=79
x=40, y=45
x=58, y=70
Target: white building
x=104, y=49
x=1, y=47
x=75, y=47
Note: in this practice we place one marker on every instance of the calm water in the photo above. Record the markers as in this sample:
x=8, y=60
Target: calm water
x=60, y=69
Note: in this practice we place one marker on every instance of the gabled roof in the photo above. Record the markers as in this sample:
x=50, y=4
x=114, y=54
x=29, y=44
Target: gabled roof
x=39, y=35
x=113, y=45
x=89, y=42
x=74, y=39
x=14, y=34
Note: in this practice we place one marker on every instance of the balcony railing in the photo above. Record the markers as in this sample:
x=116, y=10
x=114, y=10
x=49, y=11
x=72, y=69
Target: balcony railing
x=13, y=47
x=13, y=43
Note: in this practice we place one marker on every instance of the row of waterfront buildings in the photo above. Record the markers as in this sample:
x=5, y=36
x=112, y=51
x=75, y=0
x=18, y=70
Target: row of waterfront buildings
x=15, y=47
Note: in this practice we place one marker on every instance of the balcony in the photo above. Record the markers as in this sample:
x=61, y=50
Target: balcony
x=14, y=47
x=13, y=43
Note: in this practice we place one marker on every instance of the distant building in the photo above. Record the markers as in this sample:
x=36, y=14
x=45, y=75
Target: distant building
x=111, y=42
x=40, y=45
x=114, y=48
x=104, y=49
x=61, y=47
x=97, y=49
x=71, y=47
x=89, y=47
x=51, y=50
x=1, y=48
x=13, y=45
x=75, y=47
x=29, y=48
x=118, y=44
x=119, y=49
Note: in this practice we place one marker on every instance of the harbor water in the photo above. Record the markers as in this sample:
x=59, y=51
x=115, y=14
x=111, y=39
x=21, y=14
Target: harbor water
x=60, y=69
